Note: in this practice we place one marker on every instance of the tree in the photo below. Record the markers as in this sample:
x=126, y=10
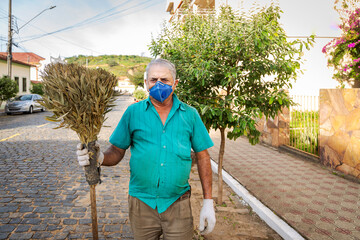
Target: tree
x=8, y=88
x=112, y=63
x=344, y=53
x=139, y=94
x=37, y=88
x=137, y=78
x=233, y=68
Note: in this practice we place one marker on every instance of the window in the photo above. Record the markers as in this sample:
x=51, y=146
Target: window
x=17, y=82
x=24, y=84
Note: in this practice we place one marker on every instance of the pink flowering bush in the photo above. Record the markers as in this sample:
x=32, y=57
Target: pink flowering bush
x=344, y=52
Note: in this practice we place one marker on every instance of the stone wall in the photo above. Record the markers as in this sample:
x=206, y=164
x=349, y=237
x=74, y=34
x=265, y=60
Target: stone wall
x=275, y=131
x=339, y=137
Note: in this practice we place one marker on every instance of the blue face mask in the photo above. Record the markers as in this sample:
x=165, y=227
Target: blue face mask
x=160, y=91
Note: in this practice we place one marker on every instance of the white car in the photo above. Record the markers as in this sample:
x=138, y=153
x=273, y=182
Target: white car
x=24, y=103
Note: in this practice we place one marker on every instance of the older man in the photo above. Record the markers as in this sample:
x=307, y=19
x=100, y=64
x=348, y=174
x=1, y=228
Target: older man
x=160, y=132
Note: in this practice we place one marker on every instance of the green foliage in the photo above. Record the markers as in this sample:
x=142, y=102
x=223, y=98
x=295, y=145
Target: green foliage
x=233, y=67
x=79, y=97
x=8, y=88
x=139, y=94
x=37, y=88
x=344, y=52
x=112, y=63
x=304, y=129
x=137, y=78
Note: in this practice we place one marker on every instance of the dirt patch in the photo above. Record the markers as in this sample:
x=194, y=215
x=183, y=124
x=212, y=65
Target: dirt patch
x=234, y=219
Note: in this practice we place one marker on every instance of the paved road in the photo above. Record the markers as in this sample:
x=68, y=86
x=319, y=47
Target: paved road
x=43, y=192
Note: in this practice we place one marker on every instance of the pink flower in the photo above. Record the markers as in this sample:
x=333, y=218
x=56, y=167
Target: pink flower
x=346, y=69
x=351, y=45
x=356, y=60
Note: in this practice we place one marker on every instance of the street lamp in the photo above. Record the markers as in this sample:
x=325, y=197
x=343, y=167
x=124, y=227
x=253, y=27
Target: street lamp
x=9, y=47
x=36, y=16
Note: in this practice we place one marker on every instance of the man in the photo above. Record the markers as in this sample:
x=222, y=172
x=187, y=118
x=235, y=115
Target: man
x=161, y=131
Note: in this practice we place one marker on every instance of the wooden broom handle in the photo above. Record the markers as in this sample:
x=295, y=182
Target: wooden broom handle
x=93, y=212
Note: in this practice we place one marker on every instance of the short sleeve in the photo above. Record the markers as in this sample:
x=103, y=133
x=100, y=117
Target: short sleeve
x=121, y=137
x=200, y=139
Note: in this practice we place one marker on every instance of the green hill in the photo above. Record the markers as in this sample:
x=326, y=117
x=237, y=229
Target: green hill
x=120, y=65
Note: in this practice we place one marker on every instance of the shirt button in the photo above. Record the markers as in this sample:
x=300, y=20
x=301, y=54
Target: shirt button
x=164, y=146
x=162, y=164
x=163, y=131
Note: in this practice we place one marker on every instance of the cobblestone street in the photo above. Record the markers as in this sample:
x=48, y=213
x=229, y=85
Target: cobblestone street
x=44, y=194
x=43, y=190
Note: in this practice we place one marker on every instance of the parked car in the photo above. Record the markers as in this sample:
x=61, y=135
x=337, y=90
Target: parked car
x=24, y=103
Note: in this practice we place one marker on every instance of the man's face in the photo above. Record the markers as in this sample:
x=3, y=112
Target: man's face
x=160, y=73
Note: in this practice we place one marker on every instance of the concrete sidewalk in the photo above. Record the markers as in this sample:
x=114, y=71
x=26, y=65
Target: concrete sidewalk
x=315, y=202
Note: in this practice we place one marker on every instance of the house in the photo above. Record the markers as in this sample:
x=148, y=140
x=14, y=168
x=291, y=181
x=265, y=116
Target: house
x=124, y=85
x=20, y=72
x=29, y=58
x=176, y=7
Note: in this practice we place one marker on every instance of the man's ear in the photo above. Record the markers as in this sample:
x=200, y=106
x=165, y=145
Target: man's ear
x=146, y=84
x=176, y=83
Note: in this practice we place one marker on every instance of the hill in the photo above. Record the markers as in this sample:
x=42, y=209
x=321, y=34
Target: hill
x=120, y=65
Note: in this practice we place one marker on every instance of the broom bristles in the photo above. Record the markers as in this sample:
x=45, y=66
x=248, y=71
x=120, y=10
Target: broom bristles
x=79, y=97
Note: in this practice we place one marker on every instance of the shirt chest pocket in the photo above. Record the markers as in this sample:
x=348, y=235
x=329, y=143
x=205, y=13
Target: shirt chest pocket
x=182, y=147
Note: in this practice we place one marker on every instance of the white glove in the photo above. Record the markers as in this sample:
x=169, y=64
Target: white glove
x=83, y=155
x=207, y=214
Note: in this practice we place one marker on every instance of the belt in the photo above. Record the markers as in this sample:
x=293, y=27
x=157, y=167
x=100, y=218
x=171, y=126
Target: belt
x=186, y=195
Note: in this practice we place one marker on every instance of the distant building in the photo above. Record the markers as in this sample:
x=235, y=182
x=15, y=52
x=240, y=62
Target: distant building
x=57, y=60
x=177, y=8
x=29, y=58
x=20, y=72
x=124, y=85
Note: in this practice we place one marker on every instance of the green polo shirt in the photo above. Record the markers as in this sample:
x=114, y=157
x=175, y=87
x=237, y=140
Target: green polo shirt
x=160, y=160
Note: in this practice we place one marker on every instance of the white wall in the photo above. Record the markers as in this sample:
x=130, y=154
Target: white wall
x=20, y=71
x=33, y=74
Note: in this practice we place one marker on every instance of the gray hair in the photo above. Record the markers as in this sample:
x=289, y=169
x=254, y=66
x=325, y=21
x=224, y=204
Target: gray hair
x=163, y=62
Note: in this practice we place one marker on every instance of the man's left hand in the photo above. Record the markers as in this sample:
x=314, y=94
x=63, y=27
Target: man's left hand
x=207, y=214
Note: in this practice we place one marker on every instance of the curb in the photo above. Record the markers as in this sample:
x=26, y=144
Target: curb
x=276, y=223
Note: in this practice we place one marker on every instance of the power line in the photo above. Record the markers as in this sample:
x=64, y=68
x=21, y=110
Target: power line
x=83, y=22
x=88, y=21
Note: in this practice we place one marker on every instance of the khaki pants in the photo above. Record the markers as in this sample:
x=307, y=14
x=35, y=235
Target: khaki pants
x=176, y=223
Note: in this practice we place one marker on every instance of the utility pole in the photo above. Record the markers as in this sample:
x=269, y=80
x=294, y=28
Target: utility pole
x=9, y=46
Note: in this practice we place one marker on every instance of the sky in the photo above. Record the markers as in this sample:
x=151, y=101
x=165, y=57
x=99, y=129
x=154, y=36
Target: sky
x=93, y=27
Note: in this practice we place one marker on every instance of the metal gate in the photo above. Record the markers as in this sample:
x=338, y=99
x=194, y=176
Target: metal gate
x=304, y=124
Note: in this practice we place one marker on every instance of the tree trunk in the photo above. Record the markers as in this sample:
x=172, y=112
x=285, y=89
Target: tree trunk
x=220, y=164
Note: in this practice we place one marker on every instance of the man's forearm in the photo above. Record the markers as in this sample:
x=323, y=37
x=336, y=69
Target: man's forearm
x=113, y=155
x=205, y=173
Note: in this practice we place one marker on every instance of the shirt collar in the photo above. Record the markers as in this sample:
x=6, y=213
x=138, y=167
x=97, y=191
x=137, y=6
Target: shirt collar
x=176, y=102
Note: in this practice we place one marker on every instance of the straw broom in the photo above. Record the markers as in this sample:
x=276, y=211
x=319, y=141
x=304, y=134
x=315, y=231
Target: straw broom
x=79, y=98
